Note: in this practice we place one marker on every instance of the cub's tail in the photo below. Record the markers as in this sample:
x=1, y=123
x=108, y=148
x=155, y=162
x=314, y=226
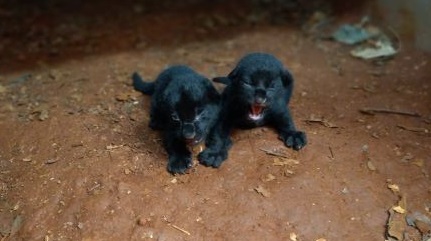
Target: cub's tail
x=142, y=86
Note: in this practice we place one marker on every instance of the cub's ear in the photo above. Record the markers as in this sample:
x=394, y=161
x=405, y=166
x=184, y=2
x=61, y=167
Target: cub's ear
x=287, y=78
x=222, y=80
x=213, y=95
x=233, y=75
x=228, y=79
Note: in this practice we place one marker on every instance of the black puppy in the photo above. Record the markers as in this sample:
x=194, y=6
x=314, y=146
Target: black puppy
x=185, y=106
x=257, y=93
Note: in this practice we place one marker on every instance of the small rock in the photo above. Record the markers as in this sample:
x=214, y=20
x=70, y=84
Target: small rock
x=371, y=166
x=293, y=237
x=345, y=190
x=27, y=159
x=80, y=225
x=54, y=74
x=43, y=115
x=407, y=157
x=269, y=177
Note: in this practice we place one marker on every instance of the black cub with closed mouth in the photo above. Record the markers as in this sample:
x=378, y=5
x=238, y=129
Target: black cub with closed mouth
x=184, y=106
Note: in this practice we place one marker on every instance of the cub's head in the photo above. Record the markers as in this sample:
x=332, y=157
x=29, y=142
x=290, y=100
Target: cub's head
x=257, y=81
x=193, y=111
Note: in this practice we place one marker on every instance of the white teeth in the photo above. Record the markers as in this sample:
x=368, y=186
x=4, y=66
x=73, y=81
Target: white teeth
x=255, y=117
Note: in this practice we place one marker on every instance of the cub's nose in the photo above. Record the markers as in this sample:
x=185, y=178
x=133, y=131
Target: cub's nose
x=260, y=100
x=260, y=97
x=188, y=131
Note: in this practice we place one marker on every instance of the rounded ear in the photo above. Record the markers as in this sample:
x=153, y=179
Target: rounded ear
x=287, y=78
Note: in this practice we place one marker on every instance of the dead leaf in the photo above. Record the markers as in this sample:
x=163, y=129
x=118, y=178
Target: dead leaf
x=293, y=237
x=418, y=162
x=122, y=96
x=394, y=188
x=321, y=239
x=44, y=114
x=269, y=177
x=284, y=161
x=397, y=221
x=262, y=191
x=399, y=209
x=288, y=172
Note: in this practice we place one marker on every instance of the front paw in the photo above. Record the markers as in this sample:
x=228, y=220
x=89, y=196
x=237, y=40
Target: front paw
x=179, y=164
x=294, y=139
x=212, y=158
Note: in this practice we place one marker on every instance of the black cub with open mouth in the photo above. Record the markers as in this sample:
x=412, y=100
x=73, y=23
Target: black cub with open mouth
x=184, y=106
x=257, y=93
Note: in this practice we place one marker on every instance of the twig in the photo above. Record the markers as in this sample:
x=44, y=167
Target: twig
x=413, y=129
x=373, y=111
x=321, y=121
x=273, y=153
x=180, y=229
x=94, y=187
x=332, y=153
x=112, y=147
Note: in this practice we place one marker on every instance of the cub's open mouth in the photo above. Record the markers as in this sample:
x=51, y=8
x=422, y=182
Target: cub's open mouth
x=196, y=146
x=193, y=141
x=256, y=112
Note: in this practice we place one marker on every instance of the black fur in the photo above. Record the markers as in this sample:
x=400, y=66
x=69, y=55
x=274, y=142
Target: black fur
x=184, y=106
x=257, y=93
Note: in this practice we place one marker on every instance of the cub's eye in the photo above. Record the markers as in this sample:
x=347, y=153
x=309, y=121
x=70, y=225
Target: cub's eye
x=175, y=117
x=271, y=87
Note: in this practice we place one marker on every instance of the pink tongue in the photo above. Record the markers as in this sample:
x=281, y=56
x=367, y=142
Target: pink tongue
x=256, y=109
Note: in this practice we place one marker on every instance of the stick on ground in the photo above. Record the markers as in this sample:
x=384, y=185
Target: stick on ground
x=413, y=129
x=273, y=153
x=180, y=229
x=373, y=111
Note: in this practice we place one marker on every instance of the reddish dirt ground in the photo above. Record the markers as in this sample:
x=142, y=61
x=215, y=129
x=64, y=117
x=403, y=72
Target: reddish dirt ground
x=79, y=162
